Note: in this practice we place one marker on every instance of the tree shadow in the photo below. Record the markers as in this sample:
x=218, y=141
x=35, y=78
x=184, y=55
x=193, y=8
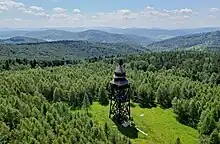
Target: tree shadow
x=164, y=107
x=132, y=105
x=148, y=105
x=130, y=131
x=103, y=104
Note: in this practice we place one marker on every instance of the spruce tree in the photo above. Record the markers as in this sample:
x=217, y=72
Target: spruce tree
x=214, y=138
x=178, y=141
x=103, y=97
x=86, y=103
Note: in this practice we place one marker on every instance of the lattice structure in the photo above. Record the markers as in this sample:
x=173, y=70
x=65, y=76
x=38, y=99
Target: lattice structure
x=120, y=95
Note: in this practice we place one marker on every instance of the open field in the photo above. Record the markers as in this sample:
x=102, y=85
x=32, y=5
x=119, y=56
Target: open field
x=160, y=125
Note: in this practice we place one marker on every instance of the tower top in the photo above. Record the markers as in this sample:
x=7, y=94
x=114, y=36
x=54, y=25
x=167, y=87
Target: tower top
x=120, y=76
x=120, y=62
x=120, y=69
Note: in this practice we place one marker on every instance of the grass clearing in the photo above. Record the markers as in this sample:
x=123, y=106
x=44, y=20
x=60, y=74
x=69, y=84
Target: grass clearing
x=160, y=125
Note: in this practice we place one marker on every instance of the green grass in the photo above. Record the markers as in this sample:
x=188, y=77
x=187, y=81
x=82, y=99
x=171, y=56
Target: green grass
x=160, y=125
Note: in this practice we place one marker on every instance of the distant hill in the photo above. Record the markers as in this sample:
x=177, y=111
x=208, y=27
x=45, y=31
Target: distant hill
x=100, y=36
x=201, y=41
x=51, y=35
x=67, y=49
x=160, y=34
x=7, y=34
x=89, y=35
x=104, y=34
x=19, y=40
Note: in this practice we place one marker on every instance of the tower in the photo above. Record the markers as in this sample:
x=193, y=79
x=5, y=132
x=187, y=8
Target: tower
x=120, y=95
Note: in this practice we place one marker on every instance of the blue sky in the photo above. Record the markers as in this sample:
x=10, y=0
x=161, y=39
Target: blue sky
x=110, y=5
x=112, y=13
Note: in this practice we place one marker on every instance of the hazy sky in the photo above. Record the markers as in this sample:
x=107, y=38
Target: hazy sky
x=109, y=13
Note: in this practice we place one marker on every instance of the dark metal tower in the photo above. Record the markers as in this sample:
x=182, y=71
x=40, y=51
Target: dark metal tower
x=120, y=95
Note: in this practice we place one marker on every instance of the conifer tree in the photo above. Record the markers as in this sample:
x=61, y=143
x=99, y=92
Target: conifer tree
x=214, y=137
x=178, y=141
x=103, y=97
x=86, y=102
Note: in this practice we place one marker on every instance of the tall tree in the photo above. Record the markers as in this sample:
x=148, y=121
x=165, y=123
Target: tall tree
x=86, y=102
x=103, y=96
x=178, y=141
x=214, y=138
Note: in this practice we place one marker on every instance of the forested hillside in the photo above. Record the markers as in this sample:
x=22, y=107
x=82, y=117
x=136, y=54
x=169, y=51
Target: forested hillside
x=100, y=36
x=201, y=41
x=153, y=33
x=36, y=104
x=88, y=35
x=20, y=40
x=67, y=50
x=160, y=34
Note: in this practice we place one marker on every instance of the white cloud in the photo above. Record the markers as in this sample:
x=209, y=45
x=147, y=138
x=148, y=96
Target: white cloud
x=124, y=11
x=214, y=10
x=6, y=5
x=3, y=8
x=36, y=8
x=42, y=14
x=59, y=13
x=179, y=11
x=152, y=12
x=11, y=3
x=76, y=11
x=147, y=17
x=59, y=16
x=148, y=8
x=36, y=13
x=185, y=10
x=59, y=10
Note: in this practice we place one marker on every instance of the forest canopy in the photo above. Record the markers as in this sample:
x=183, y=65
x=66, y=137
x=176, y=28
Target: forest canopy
x=40, y=104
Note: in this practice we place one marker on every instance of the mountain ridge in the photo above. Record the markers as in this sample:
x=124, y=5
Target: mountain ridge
x=20, y=39
x=152, y=33
x=200, y=41
x=88, y=35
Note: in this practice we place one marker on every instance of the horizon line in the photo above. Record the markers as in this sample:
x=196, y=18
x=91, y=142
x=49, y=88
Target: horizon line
x=150, y=28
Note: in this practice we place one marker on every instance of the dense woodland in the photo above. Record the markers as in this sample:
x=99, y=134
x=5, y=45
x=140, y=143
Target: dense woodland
x=66, y=49
x=41, y=102
x=34, y=111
